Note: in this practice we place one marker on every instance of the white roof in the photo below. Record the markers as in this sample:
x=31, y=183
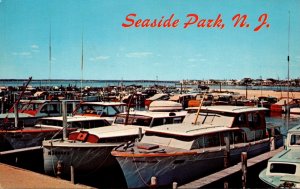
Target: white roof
x=155, y=114
x=188, y=129
x=74, y=118
x=231, y=109
x=114, y=131
x=106, y=103
x=157, y=96
x=160, y=105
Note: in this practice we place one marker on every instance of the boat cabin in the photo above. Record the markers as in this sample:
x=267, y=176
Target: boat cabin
x=104, y=109
x=150, y=119
x=78, y=122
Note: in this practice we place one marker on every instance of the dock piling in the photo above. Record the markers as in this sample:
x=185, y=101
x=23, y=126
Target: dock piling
x=272, y=140
x=244, y=169
x=174, y=185
x=72, y=175
x=227, y=152
x=58, y=167
x=153, y=182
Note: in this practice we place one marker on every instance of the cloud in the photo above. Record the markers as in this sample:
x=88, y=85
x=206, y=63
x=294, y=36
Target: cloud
x=24, y=54
x=138, y=54
x=34, y=46
x=99, y=58
x=197, y=60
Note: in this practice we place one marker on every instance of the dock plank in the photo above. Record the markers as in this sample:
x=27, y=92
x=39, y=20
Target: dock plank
x=202, y=182
x=14, y=177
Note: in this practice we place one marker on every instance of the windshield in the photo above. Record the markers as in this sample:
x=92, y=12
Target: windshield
x=133, y=120
x=98, y=110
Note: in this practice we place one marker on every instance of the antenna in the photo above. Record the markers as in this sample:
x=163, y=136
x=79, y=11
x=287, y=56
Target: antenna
x=288, y=59
x=81, y=64
x=50, y=59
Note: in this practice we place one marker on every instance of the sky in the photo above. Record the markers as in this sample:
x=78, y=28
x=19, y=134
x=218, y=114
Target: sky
x=93, y=29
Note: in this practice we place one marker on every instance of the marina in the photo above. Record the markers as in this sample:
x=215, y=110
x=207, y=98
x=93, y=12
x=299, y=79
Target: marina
x=20, y=157
x=109, y=94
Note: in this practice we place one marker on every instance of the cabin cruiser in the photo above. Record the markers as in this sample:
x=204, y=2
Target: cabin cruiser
x=100, y=109
x=283, y=169
x=194, y=148
x=31, y=110
x=89, y=150
x=46, y=128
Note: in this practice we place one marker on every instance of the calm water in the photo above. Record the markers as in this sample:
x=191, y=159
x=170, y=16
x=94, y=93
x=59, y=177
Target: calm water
x=113, y=177
x=146, y=83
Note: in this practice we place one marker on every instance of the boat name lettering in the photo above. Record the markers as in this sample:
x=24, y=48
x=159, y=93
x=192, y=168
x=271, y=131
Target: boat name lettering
x=58, y=153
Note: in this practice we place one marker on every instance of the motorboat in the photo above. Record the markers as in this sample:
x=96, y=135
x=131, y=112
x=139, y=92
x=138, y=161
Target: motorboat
x=89, y=150
x=46, y=128
x=30, y=110
x=194, y=148
x=100, y=109
x=283, y=169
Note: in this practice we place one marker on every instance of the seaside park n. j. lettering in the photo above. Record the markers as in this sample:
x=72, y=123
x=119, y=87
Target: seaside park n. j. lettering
x=193, y=20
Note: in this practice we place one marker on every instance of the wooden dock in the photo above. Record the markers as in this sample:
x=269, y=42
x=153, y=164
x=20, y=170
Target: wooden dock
x=13, y=177
x=202, y=182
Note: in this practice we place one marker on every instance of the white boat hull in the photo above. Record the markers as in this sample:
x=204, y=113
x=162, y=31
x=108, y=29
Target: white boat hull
x=84, y=157
x=181, y=169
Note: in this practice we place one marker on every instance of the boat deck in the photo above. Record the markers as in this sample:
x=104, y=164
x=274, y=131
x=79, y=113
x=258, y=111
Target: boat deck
x=13, y=177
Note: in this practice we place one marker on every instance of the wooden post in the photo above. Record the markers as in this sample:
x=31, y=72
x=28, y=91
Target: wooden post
x=174, y=185
x=153, y=182
x=16, y=114
x=244, y=169
x=64, y=112
x=72, y=175
x=58, y=167
x=272, y=139
x=226, y=185
x=140, y=133
x=227, y=151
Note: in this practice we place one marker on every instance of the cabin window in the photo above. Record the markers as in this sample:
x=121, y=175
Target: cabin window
x=295, y=140
x=198, y=143
x=70, y=108
x=145, y=121
x=236, y=137
x=254, y=120
x=207, y=141
x=50, y=122
x=240, y=120
x=99, y=110
x=50, y=108
x=283, y=168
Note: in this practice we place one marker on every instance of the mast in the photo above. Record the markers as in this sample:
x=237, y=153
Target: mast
x=288, y=77
x=81, y=64
x=50, y=59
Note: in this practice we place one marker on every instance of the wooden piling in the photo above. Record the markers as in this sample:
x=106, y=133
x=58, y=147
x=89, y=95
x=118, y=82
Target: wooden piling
x=272, y=140
x=174, y=185
x=227, y=152
x=16, y=114
x=64, y=114
x=72, y=175
x=153, y=182
x=58, y=167
x=244, y=169
x=140, y=133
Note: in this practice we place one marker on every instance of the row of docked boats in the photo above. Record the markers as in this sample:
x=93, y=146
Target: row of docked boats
x=161, y=142
x=193, y=145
